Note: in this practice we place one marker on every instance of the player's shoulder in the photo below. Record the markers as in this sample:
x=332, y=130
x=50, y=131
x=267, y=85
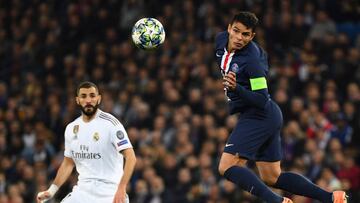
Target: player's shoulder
x=76, y=121
x=252, y=52
x=255, y=51
x=108, y=118
x=255, y=58
x=72, y=124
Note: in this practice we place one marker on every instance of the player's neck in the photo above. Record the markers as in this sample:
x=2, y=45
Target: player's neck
x=229, y=49
x=87, y=118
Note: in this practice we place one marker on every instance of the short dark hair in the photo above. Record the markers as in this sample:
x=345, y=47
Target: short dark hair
x=247, y=18
x=85, y=84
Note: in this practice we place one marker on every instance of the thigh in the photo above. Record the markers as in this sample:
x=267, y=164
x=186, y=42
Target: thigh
x=228, y=160
x=92, y=191
x=103, y=191
x=231, y=160
x=270, y=150
x=247, y=137
x=76, y=196
x=108, y=199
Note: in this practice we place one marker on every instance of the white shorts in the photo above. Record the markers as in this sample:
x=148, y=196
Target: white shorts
x=92, y=191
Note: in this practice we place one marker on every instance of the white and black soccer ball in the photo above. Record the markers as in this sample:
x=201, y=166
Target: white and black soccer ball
x=148, y=33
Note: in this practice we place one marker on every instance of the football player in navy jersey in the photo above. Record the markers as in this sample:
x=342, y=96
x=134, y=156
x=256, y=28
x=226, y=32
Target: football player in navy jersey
x=256, y=135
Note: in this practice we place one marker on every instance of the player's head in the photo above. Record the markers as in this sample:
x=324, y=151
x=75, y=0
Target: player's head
x=88, y=98
x=241, y=30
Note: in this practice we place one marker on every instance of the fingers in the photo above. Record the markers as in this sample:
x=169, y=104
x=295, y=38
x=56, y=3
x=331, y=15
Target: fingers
x=229, y=80
x=42, y=196
x=232, y=74
x=119, y=200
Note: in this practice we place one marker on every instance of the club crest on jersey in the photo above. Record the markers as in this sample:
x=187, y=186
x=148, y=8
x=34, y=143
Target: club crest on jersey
x=235, y=68
x=96, y=136
x=120, y=135
x=75, y=131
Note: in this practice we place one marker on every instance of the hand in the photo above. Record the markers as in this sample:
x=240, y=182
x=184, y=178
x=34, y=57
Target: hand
x=120, y=195
x=43, y=196
x=46, y=195
x=229, y=81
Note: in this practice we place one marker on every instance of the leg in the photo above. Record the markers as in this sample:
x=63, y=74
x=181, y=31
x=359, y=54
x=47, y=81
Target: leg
x=232, y=167
x=268, y=163
x=249, y=141
x=228, y=160
x=300, y=185
x=269, y=171
x=74, y=197
x=78, y=194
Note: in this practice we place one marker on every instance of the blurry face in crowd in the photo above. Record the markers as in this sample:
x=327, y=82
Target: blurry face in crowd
x=88, y=100
x=239, y=36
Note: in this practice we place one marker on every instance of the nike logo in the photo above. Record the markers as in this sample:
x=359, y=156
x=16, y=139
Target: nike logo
x=218, y=55
x=228, y=145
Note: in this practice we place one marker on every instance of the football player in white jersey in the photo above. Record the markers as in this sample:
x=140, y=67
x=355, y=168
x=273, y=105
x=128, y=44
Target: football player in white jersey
x=96, y=144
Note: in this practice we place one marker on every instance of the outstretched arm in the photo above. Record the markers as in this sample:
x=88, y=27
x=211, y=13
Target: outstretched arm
x=130, y=161
x=62, y=175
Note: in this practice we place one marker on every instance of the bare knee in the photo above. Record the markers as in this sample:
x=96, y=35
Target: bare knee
x=270, y=179
x=228, y=160
x=269, y=172
x=223, y=167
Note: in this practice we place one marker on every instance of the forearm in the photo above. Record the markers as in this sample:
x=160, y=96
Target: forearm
x=257, y=99
x=64, y=172
x=130, y=161
x=62, y=175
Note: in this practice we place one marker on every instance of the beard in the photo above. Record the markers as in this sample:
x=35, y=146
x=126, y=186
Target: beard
x=89, y=110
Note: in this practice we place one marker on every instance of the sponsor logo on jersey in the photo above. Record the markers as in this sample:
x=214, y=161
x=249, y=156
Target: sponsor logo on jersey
x=96, y=136
x=122, y=143
x=120, y=135
x=84, y=153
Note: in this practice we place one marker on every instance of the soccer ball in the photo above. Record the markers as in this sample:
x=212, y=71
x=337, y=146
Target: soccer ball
x=148, y=33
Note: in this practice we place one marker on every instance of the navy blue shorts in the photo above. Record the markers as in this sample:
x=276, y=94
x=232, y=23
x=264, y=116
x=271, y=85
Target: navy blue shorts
x=256, y=135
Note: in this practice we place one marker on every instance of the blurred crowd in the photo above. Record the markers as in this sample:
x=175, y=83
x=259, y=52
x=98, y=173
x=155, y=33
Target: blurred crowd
x=171, y=100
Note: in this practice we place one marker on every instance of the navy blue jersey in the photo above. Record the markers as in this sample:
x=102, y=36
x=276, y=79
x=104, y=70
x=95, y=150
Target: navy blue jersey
x=251, y=67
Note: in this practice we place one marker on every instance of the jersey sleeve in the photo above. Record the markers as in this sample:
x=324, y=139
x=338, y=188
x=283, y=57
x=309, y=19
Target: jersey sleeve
x=257, y=95
x=119, y=138
x=67, y=135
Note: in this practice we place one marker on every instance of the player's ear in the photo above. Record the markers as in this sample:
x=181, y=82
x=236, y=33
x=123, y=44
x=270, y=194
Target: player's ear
x=229, y=28
x=77, y=100
x=99, y=101
x=253, y=35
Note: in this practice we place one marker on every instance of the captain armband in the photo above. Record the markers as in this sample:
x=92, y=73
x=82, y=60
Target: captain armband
x=258, y=83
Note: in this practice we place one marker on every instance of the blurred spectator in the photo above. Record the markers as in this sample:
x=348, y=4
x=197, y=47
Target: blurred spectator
x=323, y=26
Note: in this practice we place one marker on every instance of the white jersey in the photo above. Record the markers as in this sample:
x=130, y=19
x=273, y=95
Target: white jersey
x=94, y=146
